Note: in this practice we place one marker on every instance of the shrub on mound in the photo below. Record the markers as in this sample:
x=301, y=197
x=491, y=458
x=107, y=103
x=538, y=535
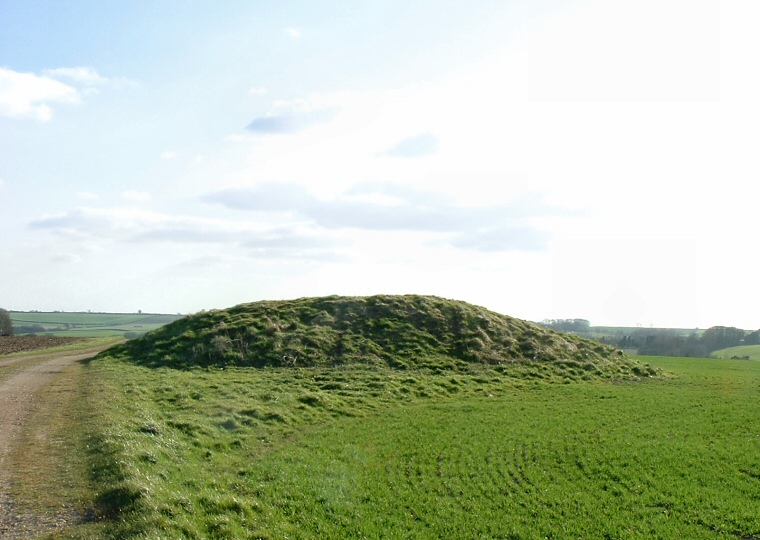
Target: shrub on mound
x=402, y=332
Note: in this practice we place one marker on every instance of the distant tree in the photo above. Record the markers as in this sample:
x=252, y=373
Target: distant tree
x=6, y=324
x=29, y=329
x=661, y=342
x=722, y=337
x=665, y=342
x=576, y=326
x=694, y=347
x=753, y=338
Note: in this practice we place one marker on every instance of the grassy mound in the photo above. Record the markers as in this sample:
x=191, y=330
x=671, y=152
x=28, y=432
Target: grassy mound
x=403, y=332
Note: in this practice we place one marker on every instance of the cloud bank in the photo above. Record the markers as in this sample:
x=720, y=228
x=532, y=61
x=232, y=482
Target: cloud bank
x=395, y=208
x=99, y=226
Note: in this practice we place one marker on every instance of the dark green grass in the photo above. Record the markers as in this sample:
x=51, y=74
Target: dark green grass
x=381, y=453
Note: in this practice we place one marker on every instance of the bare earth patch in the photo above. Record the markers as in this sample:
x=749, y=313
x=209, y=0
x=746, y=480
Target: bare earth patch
x=23, y=379
x=15, y=344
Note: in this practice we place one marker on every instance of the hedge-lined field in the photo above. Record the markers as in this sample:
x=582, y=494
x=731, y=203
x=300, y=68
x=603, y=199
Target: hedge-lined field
x=78, y=324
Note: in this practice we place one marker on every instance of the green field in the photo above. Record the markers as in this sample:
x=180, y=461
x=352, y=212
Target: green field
x=81, y=324
x=371, y=452
x=745, y=352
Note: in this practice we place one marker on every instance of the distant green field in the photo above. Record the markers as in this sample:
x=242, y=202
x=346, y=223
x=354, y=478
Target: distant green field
x=628, y=330
x=81, y=324
x=746, y=352
x=378, y=453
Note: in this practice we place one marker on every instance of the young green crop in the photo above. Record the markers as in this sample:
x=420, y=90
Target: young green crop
x=380, y=453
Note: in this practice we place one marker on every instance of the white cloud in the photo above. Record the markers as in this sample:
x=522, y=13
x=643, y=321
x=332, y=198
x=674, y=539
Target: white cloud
x=257, y=91
x=137, y=196
x=26, y=95
x=292, y=33
x=88, y=78
x=502, y=227
x=96, y=227
x=124, y=223
x=88, y=196
x=83, y=75
x=169, y=154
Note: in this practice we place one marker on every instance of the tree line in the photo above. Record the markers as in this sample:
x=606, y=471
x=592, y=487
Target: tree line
x=662, y=341
x=574, y=326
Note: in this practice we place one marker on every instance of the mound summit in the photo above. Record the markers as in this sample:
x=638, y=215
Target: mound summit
x=402, y=332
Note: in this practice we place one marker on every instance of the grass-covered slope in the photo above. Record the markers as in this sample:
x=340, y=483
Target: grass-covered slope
x=397, y=331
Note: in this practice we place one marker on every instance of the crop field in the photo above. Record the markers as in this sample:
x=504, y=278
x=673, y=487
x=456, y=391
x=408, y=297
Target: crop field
x=368, y=452
x=79, y=324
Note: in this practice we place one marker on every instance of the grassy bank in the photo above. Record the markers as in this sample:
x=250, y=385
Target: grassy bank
x=346, y=452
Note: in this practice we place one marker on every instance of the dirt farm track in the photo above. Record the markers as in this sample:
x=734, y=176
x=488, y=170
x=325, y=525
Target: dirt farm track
x=22, y=378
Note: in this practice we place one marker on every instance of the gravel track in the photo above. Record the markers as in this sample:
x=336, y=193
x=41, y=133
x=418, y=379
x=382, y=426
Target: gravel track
x=19, y=393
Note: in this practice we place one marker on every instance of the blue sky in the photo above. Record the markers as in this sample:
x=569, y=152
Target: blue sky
x=543, y=159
